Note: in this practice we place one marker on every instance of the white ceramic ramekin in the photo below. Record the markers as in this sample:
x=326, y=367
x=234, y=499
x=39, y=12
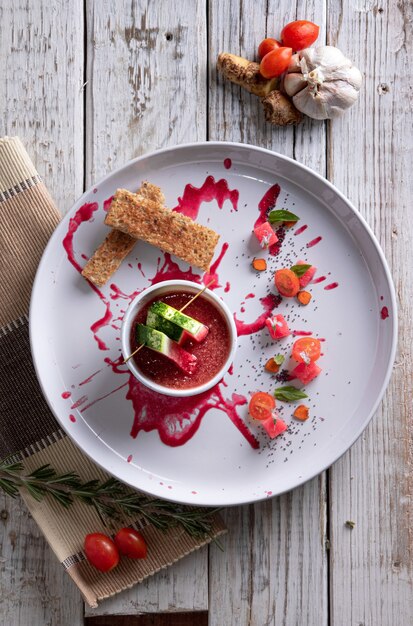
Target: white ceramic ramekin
x=159, y=290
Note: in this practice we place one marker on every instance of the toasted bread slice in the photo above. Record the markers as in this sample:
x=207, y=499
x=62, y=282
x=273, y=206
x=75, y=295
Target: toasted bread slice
x=168, y=230
x=108, y=257
x=117, y=245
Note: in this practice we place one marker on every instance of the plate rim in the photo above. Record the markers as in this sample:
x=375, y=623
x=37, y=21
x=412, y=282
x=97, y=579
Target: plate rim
x=321, y=179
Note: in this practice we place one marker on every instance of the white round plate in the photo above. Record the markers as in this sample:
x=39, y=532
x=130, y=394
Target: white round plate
x=75, y=330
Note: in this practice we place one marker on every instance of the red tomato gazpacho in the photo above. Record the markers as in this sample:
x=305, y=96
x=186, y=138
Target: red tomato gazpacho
x=211, y=353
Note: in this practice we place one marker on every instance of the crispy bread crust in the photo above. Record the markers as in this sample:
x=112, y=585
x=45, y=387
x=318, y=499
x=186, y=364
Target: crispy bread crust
x=117, y=245
x=170, y=231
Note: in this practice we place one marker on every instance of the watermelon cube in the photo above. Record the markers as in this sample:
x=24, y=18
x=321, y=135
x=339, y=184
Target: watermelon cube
x=274, y=425
x=265, y=235
x=306, y=373
x=306, y=278
x=277, y=326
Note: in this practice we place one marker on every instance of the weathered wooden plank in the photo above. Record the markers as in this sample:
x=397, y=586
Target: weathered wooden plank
x=41, y=72
x=164, y=619
x=41, y=100
x=146, y=90
x=274, y=567
x=181, y=587
x=146, y=79
x=34, y=589
x=370, y=157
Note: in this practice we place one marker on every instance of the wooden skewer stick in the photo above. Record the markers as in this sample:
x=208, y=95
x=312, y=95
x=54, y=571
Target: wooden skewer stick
x=196, y=295
x=133, y=353
x=180, y=310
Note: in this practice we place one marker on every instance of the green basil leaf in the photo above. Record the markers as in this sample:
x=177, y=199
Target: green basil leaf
x=279, y=359
x=289, y=394
x=282, y=216
x=300, y=270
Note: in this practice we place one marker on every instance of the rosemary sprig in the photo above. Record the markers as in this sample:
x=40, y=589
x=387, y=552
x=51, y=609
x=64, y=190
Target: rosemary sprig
x=110, y=499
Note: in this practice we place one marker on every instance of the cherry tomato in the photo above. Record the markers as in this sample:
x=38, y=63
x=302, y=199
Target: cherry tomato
x=131, y=543
x=261, y=405
x=267, y=45
x=101, y=551
x=300, y=34
x=306, y=350
x=275, y=62
x=287, y=282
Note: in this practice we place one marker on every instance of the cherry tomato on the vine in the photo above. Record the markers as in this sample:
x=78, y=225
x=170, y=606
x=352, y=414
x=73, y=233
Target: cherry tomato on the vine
x=306, y=350
x=261, y=405
x=267, y=45
x=131, y=543
x=275, y=62
x=300, y=34
x=101, y=551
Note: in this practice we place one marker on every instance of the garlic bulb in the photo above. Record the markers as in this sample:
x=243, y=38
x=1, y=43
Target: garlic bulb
x=322, y=82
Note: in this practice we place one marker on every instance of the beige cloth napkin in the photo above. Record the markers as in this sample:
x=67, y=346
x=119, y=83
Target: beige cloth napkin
x=27, y=427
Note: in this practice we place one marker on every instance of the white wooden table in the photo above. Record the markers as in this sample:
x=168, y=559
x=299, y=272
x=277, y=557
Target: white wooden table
x=88, y=85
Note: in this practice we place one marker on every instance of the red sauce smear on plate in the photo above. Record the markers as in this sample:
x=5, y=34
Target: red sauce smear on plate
x=89, y=378
x=170, y=270
x=84, y=214
x=320, y=279
x=314, y=242
x=192, y=198
x=212, y=274
x=269, y=303
x=301, y=229
x=178, y=419
x=331, y=286
x=265, y=205
x=107, y=203
x=384, y=313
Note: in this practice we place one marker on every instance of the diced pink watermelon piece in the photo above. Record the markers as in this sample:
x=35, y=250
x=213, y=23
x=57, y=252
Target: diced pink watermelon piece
x=183, y=359
x=274, y=425
x=198, y=337
x=308, y=276
x=265, y=235
x=277, y=326
x=306, y=373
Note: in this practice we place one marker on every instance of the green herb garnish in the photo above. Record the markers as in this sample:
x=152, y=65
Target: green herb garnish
x=289, y=394
x=111, y=499
x=300, y=270
x=279, y=359
x=282, y=216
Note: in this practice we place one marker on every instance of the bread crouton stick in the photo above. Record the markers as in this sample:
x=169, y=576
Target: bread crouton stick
x=117, y=245
x=168, y=230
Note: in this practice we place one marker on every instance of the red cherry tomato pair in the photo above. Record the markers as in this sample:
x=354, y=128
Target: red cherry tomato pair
x=275, y=56
x=103, y=553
